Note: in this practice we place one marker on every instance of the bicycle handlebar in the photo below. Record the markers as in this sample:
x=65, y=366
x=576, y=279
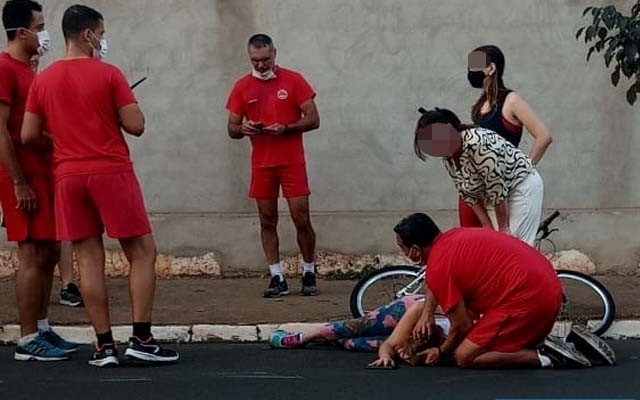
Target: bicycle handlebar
x=544, y=226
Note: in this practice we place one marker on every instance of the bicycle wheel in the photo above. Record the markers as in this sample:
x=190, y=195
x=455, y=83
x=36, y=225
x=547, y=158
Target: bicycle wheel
x=585, y=302
x=383, y=286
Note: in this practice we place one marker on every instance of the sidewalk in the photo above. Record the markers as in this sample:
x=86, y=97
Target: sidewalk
x=187, y=303
x=204, y=301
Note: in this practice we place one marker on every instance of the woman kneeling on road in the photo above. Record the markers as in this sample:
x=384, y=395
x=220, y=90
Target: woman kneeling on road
x=487, y=171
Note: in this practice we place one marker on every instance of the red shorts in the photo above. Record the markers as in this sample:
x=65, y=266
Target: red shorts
x=508, y=332
x=467, y=216
x=40, y=225
x=87, y=204
x=266, y=182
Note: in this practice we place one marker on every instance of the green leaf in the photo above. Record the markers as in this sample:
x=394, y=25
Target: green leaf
x=622, y=22
x=608, y=57
x=602, y=33
x=591, y=49
x=591, y=31
x=627, y=68
x=586, y=10
x=632, y=94
x=615, y=76
x=630, y=50
x=579, y=33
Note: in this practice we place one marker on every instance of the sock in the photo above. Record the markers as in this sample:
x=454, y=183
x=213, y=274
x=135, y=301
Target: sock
x=43, y=325
x=309, y=267
x=26, y=339
x=545, y=362
x=142, y=330
x=104, y=338
x=276, y=269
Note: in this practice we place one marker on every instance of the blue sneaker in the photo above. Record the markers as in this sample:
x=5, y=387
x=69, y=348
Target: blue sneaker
x=39, y=349
x=286, y=340
x=56, y=341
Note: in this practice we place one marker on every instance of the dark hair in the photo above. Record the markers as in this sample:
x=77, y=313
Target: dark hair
x=260, y=40
x=417, y=229
x=18, y=14
x=78, y=18
x=494, y=55
x=436, y=116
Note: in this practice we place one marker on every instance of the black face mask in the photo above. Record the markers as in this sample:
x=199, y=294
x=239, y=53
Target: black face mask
x=476, y=78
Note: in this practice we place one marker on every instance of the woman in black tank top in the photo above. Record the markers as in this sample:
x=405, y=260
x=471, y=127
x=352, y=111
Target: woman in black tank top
x=500, y=110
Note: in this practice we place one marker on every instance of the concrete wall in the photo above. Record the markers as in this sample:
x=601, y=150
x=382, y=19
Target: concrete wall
x=372, y=63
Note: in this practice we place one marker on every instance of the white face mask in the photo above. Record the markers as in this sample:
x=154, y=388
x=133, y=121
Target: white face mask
x=101, y=53
x=263, y=76
x=44, y=40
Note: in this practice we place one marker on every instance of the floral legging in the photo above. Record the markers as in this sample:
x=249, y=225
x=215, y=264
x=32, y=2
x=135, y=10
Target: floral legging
x=368, y=332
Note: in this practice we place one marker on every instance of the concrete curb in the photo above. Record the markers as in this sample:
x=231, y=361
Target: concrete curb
x=211, y=333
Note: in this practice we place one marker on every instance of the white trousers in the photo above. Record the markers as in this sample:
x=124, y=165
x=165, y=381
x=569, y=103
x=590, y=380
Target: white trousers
x=525, y=207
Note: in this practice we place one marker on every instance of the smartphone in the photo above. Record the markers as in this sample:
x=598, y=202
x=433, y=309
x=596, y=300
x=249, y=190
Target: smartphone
x=258, y=125
x=138, y=82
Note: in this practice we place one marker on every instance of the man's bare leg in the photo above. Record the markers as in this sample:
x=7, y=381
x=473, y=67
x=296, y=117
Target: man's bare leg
x=50, y=257
x=470, y=355
x=65, y=266
x=268, y=212
x=306, y=236
x=299, y=209
x=141, y=254
x=90, y=256
x=29, y=287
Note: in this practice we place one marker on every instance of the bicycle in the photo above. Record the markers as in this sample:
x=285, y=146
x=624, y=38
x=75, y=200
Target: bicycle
x=586, y=301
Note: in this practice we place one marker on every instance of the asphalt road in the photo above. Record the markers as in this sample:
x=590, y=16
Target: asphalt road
x=226, y=371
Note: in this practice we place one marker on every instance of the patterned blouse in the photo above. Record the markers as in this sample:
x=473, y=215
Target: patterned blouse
x=488, y=168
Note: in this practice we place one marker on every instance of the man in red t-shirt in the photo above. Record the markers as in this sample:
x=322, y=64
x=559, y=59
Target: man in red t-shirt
x=501, y=295
x=273, y=106
x=26, y=186
x=85, y=103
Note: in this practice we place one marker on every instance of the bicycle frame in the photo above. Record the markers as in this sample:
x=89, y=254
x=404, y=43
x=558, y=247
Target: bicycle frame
x=418, y=282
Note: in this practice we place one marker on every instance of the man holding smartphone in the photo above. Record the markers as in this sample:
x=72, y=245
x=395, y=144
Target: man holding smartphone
x=274, y=106
x=87, y=105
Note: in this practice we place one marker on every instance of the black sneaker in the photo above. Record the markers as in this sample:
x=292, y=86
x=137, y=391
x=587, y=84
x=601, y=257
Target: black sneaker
x=105, y=356
x=277, y=287
x=309, y=286
x=70, y=296
x=149, y=351
x=563, y=354
x=591, y=345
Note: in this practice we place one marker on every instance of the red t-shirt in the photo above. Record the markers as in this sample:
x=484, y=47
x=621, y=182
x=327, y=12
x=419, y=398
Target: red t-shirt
x=274, y=101
x=489, y=270
x=79, y=100
x=15, y=79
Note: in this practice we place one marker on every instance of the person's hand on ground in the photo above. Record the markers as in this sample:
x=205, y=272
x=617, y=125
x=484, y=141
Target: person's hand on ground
x=383, y=361
x=432, y=356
